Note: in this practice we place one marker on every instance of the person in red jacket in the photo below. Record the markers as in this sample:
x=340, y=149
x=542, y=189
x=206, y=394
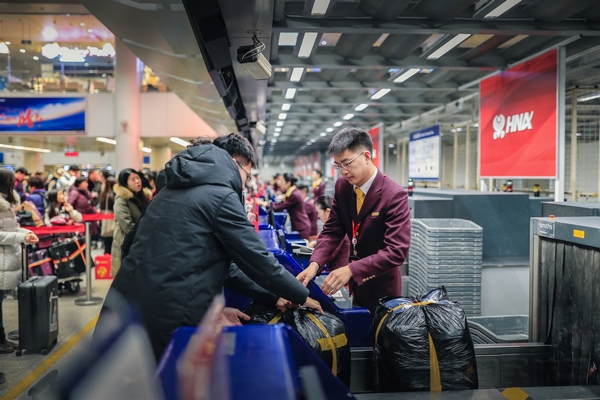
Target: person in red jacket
x=294, y=204
x=318, y=184
x=371, y=210
x=311, y=211
x=341, y=255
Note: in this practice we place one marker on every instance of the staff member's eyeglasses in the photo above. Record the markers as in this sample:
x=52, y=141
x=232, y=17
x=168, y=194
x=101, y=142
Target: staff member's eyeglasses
x=248, y=175
x=346, y=165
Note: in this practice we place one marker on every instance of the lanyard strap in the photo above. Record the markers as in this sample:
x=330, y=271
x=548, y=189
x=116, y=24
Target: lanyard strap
x=355, y=228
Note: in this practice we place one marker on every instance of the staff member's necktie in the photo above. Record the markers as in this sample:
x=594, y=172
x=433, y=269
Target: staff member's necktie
x=360, y=198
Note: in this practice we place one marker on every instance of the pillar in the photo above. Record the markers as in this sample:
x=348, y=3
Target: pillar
x=128, y=78
x=468, y=159
x=159, y=157
x=574, y=194
x=455, y=161
x=33, y=162
x=405, y=166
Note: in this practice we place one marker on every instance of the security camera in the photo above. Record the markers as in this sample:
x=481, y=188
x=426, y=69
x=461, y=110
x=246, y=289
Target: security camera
x=251, y=58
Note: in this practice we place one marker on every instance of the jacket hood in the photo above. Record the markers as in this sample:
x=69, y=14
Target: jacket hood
x=128, y=194
x=203, y=165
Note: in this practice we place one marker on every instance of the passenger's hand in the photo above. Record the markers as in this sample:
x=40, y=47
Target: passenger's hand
x=312, y=303
x=308, y=274
x=231, y=317
x=336, y=279
x=68, y=207
x=31, y=238
x=283, y=305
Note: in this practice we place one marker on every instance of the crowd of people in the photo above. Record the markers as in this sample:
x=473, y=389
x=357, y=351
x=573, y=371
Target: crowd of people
x=179, y=237
x=63, y=198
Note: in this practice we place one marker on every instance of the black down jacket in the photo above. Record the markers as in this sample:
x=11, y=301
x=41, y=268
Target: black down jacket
x=191, y=232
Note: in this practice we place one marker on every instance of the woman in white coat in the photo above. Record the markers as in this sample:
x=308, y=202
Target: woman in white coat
x=11, y=237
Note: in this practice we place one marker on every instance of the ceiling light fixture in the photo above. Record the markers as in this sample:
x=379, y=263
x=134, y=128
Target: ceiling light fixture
x=329, y=129
x=361, y=107
x=296, y=74
x=7, y=43
x=380, y=93
x=273, y=141
x=49, y=33
x=308, y=42
x=347, y=117
x=4, y=48
x=320, y=7
x=22, y=50
x=277, y=129
x=36, y=58
x=106, y=140
x=262, y=142
x=590, y=97
x=494, y=8
x=282, y=116
x=339, y=123
x=36, y=149
x=445, y=45
x=322, y=134
x=179, y=141
x=404, y=76
x=146, y=149
x=279, y=123
x=276, y=134
x=285, y=107
x=313, y=140
x=287, y=38
x=290, y=93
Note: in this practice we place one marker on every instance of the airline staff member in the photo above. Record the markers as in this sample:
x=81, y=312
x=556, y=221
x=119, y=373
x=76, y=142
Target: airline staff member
x=294, y=204
x=372, y=211
x=318, y=184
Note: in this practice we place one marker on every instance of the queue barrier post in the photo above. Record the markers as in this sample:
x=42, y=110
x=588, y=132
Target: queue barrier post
x=88, y=300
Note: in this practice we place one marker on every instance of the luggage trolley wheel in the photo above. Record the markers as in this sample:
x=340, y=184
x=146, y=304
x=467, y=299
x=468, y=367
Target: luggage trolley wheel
x=19, y=353
x=44, y=352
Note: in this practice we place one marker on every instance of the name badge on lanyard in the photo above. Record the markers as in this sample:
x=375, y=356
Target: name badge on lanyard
x=355, y=228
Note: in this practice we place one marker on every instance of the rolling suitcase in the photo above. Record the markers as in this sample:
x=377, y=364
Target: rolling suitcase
x=38, y=314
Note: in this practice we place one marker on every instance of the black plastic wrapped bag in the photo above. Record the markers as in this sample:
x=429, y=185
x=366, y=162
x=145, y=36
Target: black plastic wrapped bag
x=406, y=329
x=324, y=333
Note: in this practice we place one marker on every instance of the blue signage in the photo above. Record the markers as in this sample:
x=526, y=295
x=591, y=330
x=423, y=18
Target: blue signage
x=39, y=114
x=424, y=154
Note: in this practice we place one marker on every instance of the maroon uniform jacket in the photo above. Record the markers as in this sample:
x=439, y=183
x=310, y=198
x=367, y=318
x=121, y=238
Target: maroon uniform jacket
x=311, y=211
x=295, y=208
x=382, y=241
x=319, y=190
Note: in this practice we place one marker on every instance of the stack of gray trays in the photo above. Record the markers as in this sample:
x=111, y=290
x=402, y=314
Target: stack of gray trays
x=447, y=252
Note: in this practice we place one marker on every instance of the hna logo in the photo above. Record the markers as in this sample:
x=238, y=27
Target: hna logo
x=514, y=123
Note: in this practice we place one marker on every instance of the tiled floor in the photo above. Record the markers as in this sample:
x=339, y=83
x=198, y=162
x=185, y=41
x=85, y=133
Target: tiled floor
x=72, y=319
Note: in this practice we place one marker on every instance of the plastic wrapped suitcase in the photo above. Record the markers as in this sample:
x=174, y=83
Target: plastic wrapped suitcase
x=38, y=314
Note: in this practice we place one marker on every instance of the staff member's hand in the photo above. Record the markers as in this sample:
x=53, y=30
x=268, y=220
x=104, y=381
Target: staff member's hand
x=308, y=274
x=336, y=279
x=231, y=317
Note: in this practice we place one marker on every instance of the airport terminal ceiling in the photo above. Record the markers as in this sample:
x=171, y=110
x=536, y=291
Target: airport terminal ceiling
x=332, y=59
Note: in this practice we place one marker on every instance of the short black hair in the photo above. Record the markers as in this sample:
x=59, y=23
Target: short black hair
x=290, y=178
x=237, y=146
x=318, y=171
x=35, y=182
x=79, y=181
x=74, y=168
x=324, y=202
x=302, y=187
x=21, y=170
x=353, y=139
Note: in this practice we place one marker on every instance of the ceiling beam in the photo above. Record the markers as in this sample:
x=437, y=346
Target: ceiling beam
x=326, y=104
x=366, y=86
x=417, y=26
x=375, y=61
x=272, y=116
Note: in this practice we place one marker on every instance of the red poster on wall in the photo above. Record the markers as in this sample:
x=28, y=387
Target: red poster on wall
x=518, y=125
x=376, y=133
